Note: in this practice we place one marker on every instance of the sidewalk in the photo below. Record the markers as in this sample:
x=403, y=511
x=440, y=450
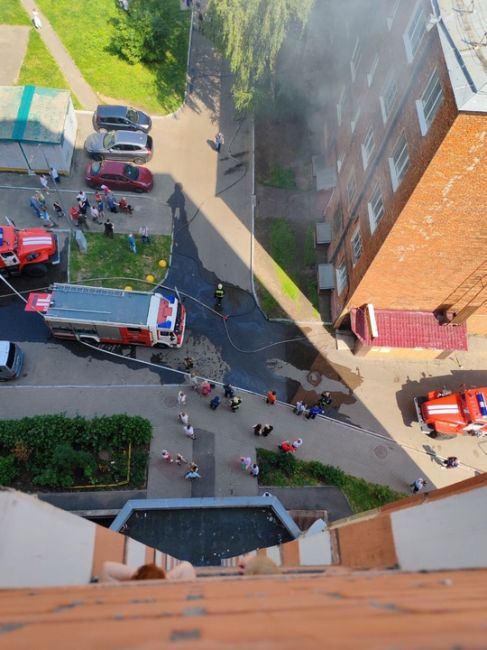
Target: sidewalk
x=83, y=91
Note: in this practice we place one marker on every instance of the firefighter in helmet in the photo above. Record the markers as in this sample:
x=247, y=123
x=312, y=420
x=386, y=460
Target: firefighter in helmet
x=219, y=293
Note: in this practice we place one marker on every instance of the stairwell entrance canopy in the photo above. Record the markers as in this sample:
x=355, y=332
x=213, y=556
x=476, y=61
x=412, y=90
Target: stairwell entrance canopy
x=37, y=129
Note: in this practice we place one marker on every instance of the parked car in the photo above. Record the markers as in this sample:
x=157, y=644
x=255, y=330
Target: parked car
x=119, y=176
x=121, y=118
x=120, y=145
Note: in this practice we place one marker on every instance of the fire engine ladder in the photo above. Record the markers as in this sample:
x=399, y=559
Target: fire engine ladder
x=468, y=297
x=90, y=290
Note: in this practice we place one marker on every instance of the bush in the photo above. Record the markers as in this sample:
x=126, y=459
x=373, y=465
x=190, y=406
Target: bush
x=8, y=470
x=284, y=470
x=144, y=34
x=61, y=452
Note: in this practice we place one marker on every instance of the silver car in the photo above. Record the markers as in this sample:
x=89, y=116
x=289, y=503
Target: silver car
x=120, y=145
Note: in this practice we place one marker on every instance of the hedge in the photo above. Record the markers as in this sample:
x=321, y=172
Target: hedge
x=59, y=452
x=285, y=470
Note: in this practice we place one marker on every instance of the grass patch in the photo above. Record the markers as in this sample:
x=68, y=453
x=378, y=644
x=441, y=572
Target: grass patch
x=284, y=470
x=288, y=287
x=283, y=243
x=12, y=13
x=86, y=30
x=267, y=302
x=309, y=257
x=40, y=69
x=282, y=177
x=112, y=258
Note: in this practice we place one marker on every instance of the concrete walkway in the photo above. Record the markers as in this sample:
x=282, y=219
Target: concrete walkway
x=83, y=91
x=13, y=46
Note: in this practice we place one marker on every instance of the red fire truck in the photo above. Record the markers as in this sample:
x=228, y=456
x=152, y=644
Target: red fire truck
x=444, y=414
x=116, y=316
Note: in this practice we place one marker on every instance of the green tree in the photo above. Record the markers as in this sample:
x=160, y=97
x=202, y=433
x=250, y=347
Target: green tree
x=250, y=35
x=145, y=33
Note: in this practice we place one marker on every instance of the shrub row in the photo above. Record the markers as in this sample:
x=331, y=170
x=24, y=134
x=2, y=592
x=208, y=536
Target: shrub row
x=55, y=451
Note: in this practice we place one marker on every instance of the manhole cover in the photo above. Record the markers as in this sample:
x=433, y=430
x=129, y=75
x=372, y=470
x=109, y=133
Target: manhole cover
x=380, y=451
x=314, y=377
x=170, y=401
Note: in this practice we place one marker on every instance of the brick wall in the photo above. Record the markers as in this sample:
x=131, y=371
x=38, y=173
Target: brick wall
x=439, y=240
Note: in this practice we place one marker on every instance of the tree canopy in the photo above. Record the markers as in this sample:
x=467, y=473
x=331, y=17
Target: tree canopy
x=250, y=34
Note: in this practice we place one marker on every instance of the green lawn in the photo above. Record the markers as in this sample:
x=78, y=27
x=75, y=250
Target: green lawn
x=111, y=258
x=40, y=69
x=284, y=470
x=86, y=30
x=12, y=13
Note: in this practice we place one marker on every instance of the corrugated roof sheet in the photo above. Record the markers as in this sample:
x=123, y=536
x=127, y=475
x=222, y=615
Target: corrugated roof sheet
x=409, y=329
x=33, y=114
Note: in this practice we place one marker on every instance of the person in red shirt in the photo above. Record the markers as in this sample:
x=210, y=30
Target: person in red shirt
x=287, y=447
x=271, y=397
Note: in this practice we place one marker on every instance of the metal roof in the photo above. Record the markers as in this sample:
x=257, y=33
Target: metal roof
x=96, y=304
x=462, y=31
x=408, y=329
x=33, y=114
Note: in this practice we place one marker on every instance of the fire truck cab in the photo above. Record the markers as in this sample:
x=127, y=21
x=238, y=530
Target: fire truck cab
x=30, y=251
x=444, y=414
x=116, y=316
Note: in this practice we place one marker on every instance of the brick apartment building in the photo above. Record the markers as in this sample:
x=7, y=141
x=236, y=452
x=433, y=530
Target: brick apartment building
x=407, y=135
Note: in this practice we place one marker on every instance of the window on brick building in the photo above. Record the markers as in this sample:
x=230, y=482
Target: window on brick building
x=372, y=70
x=430, y=102
x=388, y=98
x=356, y=244
x=414, y=33
x=341, y=277
x=355, y=119
x=375, y=208
x=341, y=102
x=356, y=59
x=351, y=188
x=391, y=14
x=399, y=163
x=368, y=146
x=337, y=222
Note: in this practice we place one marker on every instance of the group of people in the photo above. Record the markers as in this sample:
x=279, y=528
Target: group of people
x=179, y=459
x=320, y=407
x=248, y=466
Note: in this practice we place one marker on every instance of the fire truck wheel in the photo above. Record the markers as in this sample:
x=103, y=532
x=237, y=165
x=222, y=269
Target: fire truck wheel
x=35, y=270
x=161, y=345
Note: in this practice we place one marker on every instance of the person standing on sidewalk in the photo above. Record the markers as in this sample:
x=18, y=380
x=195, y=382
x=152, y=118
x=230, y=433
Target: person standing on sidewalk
x=254, y=470
x=245, y=463
x=257, y=429
x=418, y=485
x=219, y=141
x=235, y=404
x=271, y=397
x=108, y=229
x=189, y=431
x=300, y=408
x=215, y=403
x=166, y=456
x=297, y=443
x=181, y=398
x=266, y=429
x=451, y=462
x=183, y=418
x=193, y=472
x=36, y=19
x=53, y=172
x=44, y=183
x=313, y=412
x=229, y=391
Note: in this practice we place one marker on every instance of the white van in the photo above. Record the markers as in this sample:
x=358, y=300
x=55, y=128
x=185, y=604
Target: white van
x=11, y=360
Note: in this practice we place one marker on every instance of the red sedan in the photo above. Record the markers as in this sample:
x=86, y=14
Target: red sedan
x=119, y=176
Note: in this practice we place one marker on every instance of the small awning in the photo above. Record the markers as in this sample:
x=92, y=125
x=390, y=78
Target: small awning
x=408, y=329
